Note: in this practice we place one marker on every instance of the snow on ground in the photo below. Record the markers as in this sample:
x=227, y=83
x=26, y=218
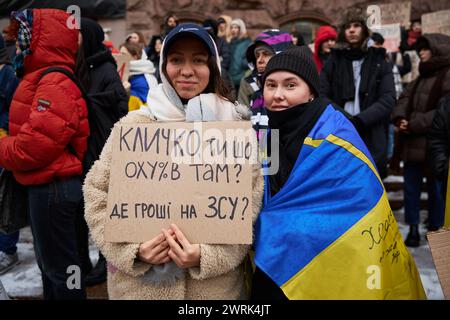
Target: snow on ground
x=423, y=258
x=24, y=281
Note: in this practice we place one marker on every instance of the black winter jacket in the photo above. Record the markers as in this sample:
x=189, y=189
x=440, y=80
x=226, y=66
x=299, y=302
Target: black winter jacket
x=438, y=140
x=105, y=86
x=376, y=103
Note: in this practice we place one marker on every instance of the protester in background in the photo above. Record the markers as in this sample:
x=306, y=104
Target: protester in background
x=97, y=71
x=163, y=268
x=10, y=44
x=378, y=42
x=408, y=48
x=142, y=76
x=438, y=141
x=238, y=47
x=49, y=129
x=297, y=39
x=222, y=45
x=325, y=193
x=138, y=39
x=108, y=43
x=360, y=80
x=413, y=115
x=8, y=84
x=324, y=42
x=267, y=44
x=414, y=33
x=154, y=53
x=224, y=28
x=170, y=22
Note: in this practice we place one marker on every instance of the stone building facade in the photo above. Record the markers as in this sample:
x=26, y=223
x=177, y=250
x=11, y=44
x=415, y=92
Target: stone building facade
x=147, y=15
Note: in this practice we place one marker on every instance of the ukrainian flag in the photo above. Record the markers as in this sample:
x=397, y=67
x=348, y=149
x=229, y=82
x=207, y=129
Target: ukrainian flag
x=330, y=233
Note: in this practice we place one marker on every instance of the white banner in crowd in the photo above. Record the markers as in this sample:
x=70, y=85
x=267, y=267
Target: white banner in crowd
x=392, y=36
x=436, y=22
x=392, y=13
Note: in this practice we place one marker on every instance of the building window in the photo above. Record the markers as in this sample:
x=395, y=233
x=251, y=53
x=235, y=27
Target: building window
x=306, y=27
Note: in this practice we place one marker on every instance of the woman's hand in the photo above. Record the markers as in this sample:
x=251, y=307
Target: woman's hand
x=155, y=251
x=184, y=254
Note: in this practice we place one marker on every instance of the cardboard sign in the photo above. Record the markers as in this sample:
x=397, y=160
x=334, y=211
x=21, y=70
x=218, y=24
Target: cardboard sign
x=392, y=36
x=392, y=13
x=439, y=243
x=123, y=65
x=436, y=22
x=196, y=175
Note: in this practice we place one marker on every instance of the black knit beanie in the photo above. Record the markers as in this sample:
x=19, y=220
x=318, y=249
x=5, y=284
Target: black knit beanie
x=298, y=60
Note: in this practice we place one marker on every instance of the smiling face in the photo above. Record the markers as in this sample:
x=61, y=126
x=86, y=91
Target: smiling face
x=283, y=90
x=187, y=67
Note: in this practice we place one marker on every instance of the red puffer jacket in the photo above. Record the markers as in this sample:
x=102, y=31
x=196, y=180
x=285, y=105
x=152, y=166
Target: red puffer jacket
x=48, y=115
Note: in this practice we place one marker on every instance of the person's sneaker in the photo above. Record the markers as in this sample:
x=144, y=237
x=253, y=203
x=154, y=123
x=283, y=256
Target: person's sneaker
x=8, y=261
x=413, y=238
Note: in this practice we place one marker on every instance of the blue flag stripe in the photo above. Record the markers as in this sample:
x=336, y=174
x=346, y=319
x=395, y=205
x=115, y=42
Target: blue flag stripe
x=308, y=208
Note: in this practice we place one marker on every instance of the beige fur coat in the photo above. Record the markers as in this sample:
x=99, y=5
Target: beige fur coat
x=221, y=271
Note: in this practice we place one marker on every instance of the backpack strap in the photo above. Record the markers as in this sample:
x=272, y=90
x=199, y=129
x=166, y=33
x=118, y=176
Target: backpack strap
x=72, y=77
x=69, y=75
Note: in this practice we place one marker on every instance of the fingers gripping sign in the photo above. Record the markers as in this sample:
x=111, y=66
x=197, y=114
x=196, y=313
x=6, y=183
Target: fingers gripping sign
x=155, y=251
x=182, y=252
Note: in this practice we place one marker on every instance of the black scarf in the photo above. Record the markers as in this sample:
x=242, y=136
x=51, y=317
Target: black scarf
x=294, y=124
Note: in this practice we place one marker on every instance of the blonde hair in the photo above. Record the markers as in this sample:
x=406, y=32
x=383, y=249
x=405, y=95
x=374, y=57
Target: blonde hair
x=227, y=34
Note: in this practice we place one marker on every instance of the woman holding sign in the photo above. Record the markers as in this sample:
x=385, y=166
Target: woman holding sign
x=169, y=266
x=326, y=225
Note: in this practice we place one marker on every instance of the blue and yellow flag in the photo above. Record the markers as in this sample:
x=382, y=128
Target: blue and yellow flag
x=329, y=233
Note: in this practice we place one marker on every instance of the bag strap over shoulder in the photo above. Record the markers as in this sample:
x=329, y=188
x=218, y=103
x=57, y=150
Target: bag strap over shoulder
x=72, y=77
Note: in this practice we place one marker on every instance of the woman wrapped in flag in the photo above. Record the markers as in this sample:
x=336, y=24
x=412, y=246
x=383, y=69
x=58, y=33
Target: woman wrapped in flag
x=327, y=230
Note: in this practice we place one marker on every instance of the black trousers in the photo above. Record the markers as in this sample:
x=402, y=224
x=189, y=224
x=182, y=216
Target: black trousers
x=53, y=212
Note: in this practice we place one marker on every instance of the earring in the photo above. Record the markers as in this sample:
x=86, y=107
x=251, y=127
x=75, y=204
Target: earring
x=311, y=99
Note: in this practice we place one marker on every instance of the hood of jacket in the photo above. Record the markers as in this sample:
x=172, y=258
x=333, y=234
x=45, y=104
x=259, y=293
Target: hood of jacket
x=323, y=33
x=274, y=38
x=439, y=44
x=241, y=24
x=50, y=48
x=93, y=37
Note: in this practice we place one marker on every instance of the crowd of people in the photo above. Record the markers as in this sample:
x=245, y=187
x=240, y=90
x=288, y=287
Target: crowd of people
x=60, y=95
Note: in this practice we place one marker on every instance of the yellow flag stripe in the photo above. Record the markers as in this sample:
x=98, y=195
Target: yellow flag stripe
x=369, y=261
